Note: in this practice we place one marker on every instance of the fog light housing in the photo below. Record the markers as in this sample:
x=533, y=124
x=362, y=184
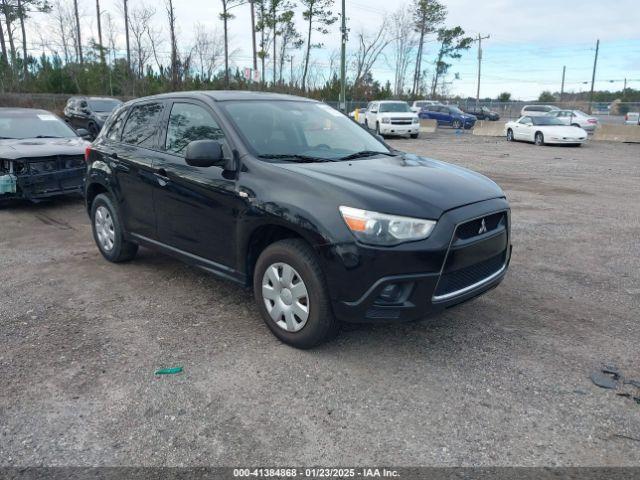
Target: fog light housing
x=394, y=294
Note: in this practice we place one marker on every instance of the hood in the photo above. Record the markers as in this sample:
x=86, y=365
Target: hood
x=41, y=147
x=404, y=185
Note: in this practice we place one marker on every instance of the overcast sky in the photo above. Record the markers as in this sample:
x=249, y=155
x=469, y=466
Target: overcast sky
x=530, y=40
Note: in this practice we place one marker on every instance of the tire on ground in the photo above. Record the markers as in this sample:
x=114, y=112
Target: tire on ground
x=321, y=324
x=122, y=250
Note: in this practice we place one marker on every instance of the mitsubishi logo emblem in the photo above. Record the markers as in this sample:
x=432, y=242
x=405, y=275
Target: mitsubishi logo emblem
x=483, y=227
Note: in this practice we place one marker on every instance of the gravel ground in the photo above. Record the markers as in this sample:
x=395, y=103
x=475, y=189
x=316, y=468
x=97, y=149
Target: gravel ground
x=502, y=380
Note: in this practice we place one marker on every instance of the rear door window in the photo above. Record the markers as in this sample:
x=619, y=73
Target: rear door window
x=142, y=125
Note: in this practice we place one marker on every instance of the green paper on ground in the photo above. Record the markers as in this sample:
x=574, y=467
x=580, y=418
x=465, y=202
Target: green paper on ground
x=168, y=371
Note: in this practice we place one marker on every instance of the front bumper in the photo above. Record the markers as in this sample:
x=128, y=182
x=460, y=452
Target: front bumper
x=565, y=140
x=61, y=177
x=391, y=129
x=432, y=275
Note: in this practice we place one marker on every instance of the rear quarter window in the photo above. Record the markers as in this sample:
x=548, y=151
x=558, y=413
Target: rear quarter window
x=114, y=126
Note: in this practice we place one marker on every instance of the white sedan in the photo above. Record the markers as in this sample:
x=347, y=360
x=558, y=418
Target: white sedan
x=544, y=130
x=577, y=118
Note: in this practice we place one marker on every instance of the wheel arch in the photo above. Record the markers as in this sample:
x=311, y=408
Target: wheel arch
x=92, y=191
x=260, y=237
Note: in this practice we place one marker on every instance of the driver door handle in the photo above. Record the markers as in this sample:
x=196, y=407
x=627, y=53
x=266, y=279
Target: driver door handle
x=161, y=176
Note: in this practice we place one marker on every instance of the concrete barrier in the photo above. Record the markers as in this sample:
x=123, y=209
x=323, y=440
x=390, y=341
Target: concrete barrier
x=485, y=128
x=618, y=133
x=428, y=125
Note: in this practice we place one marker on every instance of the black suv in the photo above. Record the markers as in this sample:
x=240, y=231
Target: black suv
x=89, y=113
x=322, y=218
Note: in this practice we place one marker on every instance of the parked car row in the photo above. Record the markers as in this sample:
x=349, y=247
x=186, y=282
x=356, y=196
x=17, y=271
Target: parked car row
x=284, y=194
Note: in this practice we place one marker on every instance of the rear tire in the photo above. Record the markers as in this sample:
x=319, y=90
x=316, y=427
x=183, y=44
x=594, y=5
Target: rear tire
x=457, y=124
x=108, y=232
x=312, y=321
x=539, y=139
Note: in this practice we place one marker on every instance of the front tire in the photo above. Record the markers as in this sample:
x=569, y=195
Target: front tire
x=539, y=139
x=510, y=135
x=291, y=293
x=414, y=135
x=108, y=232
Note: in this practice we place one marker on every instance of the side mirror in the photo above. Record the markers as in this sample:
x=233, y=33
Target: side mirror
x=84, y=133
x=529, y=124
x=204, y=153
x=380, y=138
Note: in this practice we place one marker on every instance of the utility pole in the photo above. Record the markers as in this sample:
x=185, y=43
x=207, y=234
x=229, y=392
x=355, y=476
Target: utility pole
x=125, y=7
x=564, y=71
x=77, y=15
x=343, y=66
x=253, y=35
x=480, y=38
x=624, y=89
x=593, y=77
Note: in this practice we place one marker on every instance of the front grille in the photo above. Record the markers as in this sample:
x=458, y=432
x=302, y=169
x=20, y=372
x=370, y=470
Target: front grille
x=401, y=121
x=465, y=277
x=472, y=229
x=54, y=163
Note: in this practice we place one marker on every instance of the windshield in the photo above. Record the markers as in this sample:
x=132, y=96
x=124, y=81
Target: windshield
x=33, y=125
x=455, y=110
x=547, y=121
x=103, y=105
x=394, y=107
x=299, y=128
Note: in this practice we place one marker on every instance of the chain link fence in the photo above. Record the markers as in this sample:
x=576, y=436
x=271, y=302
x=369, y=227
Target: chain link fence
x=508, y=110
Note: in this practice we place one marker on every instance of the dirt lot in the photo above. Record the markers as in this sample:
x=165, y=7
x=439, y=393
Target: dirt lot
x=502, y=380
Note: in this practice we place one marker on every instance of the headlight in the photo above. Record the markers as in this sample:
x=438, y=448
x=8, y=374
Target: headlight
x=382, y=229
x=386, y=120
x=415, y=120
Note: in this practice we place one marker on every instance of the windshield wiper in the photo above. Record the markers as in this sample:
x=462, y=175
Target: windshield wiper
x=46, y=136
x=365, y=153
x=8, y=138
x=294, y=156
